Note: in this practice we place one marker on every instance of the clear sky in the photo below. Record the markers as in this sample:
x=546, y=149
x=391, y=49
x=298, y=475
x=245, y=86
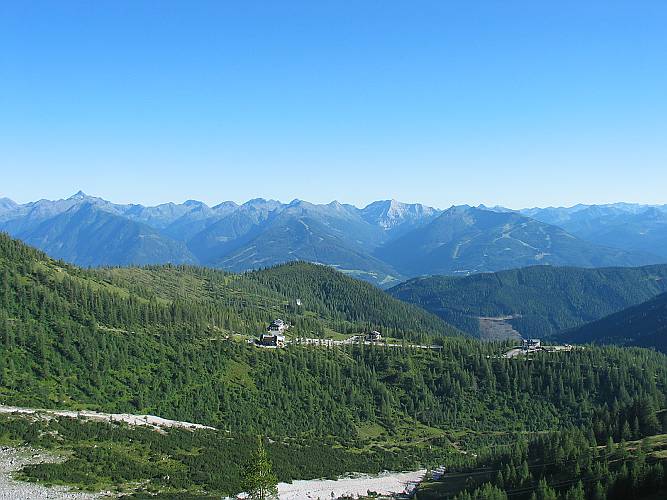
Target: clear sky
x=496, y=102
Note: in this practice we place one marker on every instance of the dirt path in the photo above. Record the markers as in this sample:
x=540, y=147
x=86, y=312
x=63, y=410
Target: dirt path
x=12, y=460
x=357, y=340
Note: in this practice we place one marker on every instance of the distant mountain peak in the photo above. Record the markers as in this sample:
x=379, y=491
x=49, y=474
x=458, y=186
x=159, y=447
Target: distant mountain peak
x=494, y=208
x=85, y=207
x=193, y=203
x=226, y=204
x=462, y=209
x=8, y=201
x=385, y=204
x=7, y=205
x=79, y=195
x=259, y=201
x=392, y=214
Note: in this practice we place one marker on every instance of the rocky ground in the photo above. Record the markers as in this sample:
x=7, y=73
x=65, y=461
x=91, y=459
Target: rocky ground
x=156, y=423
x=388, y=483
x=12, y=459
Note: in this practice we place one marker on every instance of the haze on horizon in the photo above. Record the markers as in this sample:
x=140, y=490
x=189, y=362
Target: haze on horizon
x=505, y=103
x=82, y=195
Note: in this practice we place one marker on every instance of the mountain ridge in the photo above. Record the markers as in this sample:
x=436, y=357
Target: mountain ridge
x=467, y=240
x=384, y=242
x=642, y=325
x=535, y=301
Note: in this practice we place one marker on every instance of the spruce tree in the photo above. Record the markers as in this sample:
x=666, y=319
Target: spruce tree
x=259, y=481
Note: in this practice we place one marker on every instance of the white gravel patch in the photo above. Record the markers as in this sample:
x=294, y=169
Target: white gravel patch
x=388, y=483
x=146, y=420
x=13, y=459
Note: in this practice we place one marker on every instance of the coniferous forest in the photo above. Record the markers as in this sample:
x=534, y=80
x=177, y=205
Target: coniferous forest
x=539, y=301
x=172, y=341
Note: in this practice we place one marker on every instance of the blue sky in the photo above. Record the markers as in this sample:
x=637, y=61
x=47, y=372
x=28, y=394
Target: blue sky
x=496, y=102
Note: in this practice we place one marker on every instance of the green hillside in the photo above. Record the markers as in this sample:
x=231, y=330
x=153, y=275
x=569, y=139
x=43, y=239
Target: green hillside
x=643, y=325
x=541, y=300
x=569, y=465
x=155, y=341
x=114, y=337
x=244, y=303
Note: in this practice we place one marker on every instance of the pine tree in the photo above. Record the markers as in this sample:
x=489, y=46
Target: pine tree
x=545, y=492
x=598, y=492
x=626, y=432
x=576, y=492
x=259, y=481
x=610, y=446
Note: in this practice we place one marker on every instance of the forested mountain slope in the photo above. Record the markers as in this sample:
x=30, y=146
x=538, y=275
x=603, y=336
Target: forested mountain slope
x=537, y=301
x=329, y=300
x=328, y=292
x=642, y=325
x=154, y=341
x=122, y=334
x=332, y=234
x=229, y=233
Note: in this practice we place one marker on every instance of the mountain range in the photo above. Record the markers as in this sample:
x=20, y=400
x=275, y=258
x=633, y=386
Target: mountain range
x=384, y=242
x=465, y=240
x=630, y=227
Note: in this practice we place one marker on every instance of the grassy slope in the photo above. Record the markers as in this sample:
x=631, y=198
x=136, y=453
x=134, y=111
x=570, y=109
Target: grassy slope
x=96, y=348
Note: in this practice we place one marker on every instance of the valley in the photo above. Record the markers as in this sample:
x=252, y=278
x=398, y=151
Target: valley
x=333, y=250
x=113, y=346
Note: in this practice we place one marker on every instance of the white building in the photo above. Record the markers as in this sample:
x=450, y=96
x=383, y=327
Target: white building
x=374, y=336
x=277, y=326
x=531, y=344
